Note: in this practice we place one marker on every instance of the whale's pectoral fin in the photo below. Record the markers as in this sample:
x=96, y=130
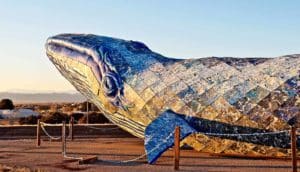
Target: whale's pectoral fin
x=159, y=134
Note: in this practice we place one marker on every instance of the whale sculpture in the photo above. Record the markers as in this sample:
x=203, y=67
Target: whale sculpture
x=223, y=105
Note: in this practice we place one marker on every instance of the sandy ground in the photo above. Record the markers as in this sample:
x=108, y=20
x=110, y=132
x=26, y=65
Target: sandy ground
x=24, y=155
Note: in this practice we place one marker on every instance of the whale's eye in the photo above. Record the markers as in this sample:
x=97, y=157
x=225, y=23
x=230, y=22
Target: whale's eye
x=110, y=86
x=118, y=103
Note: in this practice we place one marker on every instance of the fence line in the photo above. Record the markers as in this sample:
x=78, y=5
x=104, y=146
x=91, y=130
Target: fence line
x=51, y=137
x=243, y=134
x=146, y=153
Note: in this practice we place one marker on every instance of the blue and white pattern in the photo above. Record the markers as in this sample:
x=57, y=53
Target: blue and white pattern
x=231, y=103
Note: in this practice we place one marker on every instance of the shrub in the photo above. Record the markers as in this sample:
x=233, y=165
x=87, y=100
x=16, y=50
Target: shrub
x=83, y=107
x=6, y=104
x=55, y=117
x=76, y=116
x=29, y=120
x=43, y=107
x=94, y=118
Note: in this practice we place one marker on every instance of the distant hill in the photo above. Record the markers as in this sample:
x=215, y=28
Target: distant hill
x=42, y=97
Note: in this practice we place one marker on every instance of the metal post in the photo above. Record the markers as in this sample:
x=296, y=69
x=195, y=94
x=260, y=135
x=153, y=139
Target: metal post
x=294, y=148
x=87, y=111
x=71, y=128
x=176, y=148
x=38, y=133
x=63, y=138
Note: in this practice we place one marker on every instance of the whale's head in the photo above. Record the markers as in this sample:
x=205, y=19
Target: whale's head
x=93, y=64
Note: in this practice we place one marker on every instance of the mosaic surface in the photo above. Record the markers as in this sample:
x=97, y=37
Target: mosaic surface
x=135, y=87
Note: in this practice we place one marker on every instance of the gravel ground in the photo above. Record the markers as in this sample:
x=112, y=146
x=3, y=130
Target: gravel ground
x=23, y=155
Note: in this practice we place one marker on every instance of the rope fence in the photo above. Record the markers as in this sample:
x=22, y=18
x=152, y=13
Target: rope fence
x=42, y=126
x=243, y=134
x=51, y=137
x=173, y=133
x=141, y=156
x=96, y=128
x=103, y=129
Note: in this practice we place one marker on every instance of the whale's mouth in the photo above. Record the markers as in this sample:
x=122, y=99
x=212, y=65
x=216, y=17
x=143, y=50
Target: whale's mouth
x=97, y=57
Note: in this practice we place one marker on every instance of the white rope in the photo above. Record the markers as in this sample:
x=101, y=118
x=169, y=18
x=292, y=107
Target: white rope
x=141, y=156
x=51, y=137
x=215, y=134
x=104, y=129
x=51, y=125
x=72, y=157
x=54, y=125
x=244, y=134
x=69, y=136
x=126, y=161
x=211, y=134
x=157, y=146
x=96, y=128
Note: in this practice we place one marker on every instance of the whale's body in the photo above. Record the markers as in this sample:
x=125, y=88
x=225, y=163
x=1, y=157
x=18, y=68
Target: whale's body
x=147, y=94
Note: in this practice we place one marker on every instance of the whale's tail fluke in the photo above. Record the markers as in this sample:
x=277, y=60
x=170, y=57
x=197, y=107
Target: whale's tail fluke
x=159, y=134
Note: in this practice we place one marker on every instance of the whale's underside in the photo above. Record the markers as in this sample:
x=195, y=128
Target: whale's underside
x=223, y=105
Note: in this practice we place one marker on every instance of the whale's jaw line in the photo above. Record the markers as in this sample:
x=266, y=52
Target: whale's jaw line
x=55, y=44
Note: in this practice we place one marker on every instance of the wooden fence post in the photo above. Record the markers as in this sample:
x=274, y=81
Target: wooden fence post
x=294, y=148
x=38, y=133
x=71, y=128
x=63, y=138
x=176, y=148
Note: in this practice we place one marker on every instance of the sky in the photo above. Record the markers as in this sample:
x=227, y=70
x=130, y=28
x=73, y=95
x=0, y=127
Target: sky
x=174, y=28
